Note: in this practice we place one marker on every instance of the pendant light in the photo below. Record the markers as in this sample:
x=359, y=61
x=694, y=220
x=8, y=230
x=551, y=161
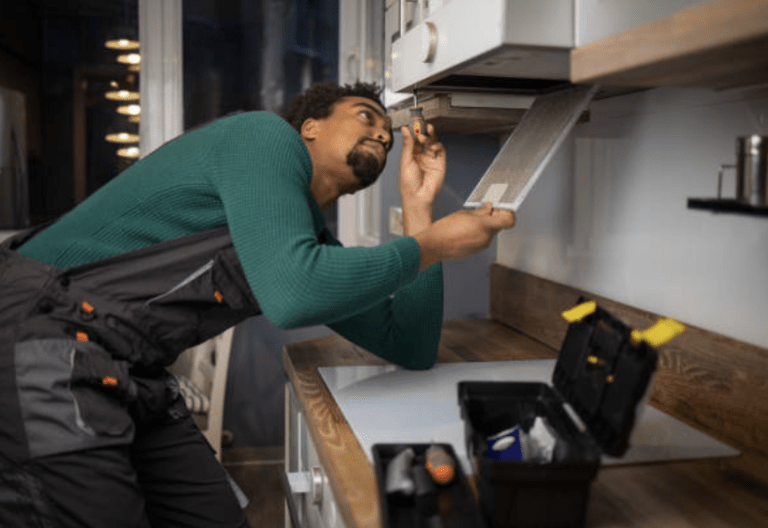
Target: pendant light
x=122, y=95
x=129, y=110
x=122, y=137
x=122, y=132
x=131, y=59
x=122, y=41
x=123, y=36
x=128, y=152
x=121, y=92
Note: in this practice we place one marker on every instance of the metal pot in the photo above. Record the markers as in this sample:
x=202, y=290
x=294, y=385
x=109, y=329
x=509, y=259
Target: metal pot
x=751, y=171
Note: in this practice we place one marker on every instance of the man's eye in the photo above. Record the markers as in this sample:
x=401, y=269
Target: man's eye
x=367, y=115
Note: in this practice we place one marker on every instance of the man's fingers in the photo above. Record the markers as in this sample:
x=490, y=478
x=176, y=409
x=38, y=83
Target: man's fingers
x=429, y=138
x=408, y=141
x=485, y=210
x=502, y=219
x=497, y=218
x=434, y=149
x=423, y=140
x=415, y=143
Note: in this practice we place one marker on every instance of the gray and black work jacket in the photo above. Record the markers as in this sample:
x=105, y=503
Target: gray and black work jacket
x=82, y=349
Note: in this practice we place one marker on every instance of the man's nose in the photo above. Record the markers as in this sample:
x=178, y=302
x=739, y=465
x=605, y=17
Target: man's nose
x=385, y=137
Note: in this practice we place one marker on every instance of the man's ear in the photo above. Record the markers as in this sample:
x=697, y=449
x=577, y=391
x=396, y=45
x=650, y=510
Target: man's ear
x=310, y=128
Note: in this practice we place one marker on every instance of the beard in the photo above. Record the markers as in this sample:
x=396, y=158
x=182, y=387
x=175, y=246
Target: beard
x=365, y=165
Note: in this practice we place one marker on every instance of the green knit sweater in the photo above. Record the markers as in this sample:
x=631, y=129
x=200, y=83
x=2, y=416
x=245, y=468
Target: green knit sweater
x=251, y=171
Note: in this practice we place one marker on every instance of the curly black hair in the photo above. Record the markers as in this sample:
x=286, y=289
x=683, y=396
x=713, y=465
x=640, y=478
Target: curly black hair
x=318, y=100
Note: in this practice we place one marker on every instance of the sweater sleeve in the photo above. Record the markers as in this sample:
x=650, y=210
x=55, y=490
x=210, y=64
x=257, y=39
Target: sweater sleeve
x=261, y=170
x=405, y=327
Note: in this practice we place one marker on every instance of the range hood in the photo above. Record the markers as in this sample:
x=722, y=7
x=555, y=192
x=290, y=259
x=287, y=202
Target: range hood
x=513, y=46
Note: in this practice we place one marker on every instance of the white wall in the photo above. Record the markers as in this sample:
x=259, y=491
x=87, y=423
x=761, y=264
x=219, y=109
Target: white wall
x=610, y=213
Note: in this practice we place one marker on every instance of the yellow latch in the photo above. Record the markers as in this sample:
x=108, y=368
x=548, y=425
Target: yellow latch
x=660, y=333
x=580, y=311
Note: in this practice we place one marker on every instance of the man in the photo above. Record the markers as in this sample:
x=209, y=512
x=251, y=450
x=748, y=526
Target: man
x=218, y=225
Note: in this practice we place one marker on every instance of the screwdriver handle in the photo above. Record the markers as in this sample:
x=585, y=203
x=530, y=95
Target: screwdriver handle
x=418, y=125
x=440, y=465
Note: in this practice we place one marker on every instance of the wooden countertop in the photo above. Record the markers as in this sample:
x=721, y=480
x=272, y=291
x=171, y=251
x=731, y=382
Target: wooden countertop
x=728, y=493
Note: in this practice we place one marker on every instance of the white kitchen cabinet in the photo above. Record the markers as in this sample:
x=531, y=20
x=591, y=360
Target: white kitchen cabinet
x=477, y=40
x=313, y=501
x=495, y=44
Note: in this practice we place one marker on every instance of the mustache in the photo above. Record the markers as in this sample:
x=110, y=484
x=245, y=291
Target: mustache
x=371, y=140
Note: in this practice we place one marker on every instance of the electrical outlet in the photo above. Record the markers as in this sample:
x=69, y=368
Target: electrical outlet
x=396, y=220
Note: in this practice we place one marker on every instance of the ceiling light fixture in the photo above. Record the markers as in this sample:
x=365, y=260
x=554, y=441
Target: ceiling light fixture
x=128, y=152
x=123, y=34
x=122, y=95
x=122, y=137
x=129, y=58
x=122, y=44
x=131, y=110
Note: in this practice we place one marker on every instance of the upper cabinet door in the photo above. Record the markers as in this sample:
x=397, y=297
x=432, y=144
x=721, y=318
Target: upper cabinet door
x=477, y=41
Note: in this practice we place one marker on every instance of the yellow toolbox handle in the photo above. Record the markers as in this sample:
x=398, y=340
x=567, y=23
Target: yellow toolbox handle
x=580, y=311
x=660, y=333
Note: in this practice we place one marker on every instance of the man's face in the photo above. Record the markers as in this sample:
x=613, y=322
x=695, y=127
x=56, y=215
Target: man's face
x=358, y=134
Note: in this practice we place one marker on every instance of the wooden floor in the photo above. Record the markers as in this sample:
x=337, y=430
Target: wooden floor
x=257, y=471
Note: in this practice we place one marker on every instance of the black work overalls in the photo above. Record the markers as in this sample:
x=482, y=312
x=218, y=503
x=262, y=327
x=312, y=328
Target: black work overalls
x=84, y=396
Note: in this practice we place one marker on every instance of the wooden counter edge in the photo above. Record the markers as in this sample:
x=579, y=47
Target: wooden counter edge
x=349, y=473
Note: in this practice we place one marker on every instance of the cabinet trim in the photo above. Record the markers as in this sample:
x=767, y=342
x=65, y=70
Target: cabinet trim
x=720, y=44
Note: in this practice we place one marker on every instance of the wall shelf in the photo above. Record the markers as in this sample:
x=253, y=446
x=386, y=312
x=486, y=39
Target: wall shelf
x=726, y=206
x=720, y=44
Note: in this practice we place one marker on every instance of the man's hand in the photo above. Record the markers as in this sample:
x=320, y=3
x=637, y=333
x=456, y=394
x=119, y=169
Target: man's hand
x=422, y=173
x=462, y=234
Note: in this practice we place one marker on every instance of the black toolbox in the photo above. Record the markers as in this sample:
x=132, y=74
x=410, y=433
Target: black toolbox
x=603, y=372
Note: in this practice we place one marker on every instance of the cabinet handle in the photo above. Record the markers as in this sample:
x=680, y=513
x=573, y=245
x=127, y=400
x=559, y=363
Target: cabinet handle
x=299, y=483
x=316, y=485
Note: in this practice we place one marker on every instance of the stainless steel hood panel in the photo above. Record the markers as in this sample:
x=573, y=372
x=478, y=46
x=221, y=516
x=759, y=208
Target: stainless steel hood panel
x=499, y=38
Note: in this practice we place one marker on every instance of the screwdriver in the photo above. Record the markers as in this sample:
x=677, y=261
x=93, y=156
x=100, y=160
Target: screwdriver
x=418, y=125
x=440, y=464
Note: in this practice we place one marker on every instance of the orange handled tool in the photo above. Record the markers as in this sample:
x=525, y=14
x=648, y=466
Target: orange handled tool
x=418, y=125
x=440, y=465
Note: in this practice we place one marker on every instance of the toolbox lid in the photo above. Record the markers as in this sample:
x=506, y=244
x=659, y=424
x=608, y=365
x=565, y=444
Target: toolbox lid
x=604, y=372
